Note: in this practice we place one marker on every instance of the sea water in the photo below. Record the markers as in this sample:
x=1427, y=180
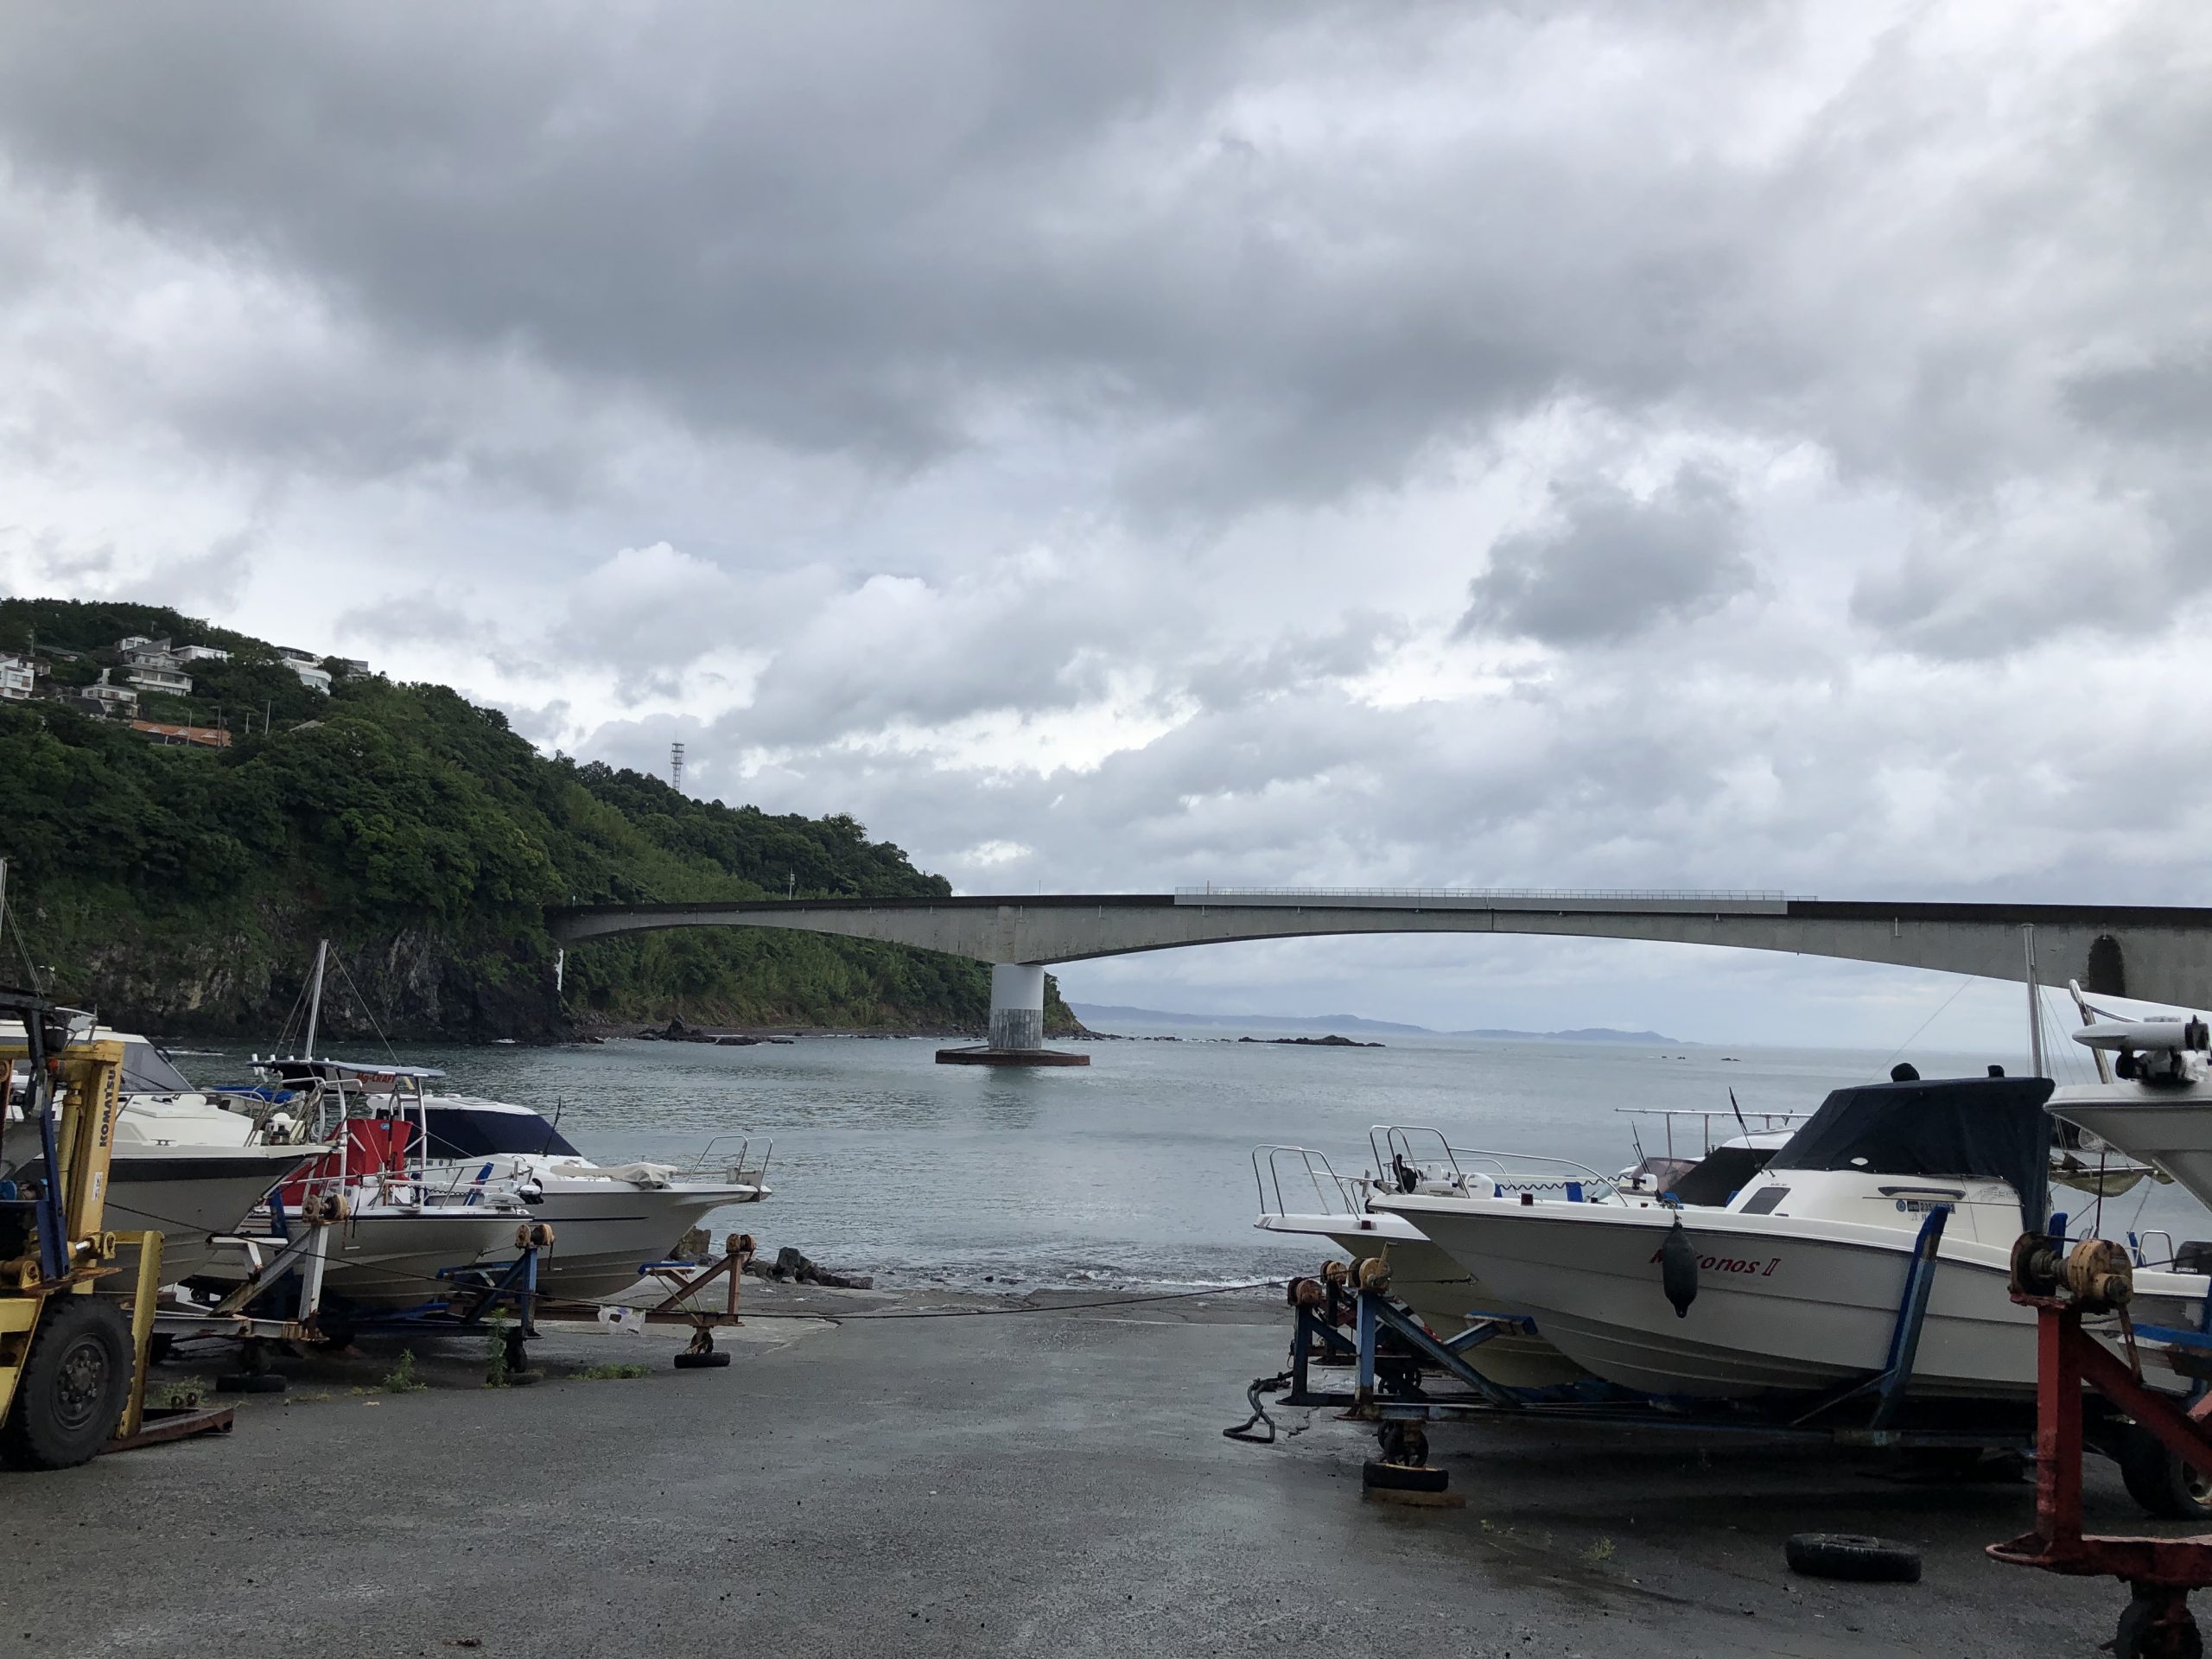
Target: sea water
x=1136, y=1170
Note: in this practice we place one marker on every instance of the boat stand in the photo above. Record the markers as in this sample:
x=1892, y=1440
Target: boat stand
x=684, y=1280
x=1889, y=1384
x=2160, y=1572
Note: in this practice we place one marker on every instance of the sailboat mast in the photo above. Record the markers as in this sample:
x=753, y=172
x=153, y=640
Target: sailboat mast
x=314, y=996
x=2035, y=1007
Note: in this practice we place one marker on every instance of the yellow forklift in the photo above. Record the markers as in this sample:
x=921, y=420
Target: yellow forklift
x=72, y=1363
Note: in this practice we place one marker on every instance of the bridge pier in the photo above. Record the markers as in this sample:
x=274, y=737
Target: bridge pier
x=1017, y=1023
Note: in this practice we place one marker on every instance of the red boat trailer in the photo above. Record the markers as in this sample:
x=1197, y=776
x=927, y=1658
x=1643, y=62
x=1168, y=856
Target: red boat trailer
x=2062, y=1287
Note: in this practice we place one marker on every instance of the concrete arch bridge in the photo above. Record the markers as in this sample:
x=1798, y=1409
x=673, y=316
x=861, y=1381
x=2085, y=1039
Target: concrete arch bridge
x=2160, y=953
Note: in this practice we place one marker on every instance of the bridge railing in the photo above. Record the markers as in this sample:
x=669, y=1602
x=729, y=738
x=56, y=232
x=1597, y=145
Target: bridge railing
x=1479, y=895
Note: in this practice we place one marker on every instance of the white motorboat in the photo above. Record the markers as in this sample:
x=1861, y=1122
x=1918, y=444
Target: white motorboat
x=608, y=1220
x=1444, y=1292
x=191, y=1171
x=2155, y=1101
x=181, y=1165
x=1424, y=1277
x=404, y=1231
x=1800, y=1279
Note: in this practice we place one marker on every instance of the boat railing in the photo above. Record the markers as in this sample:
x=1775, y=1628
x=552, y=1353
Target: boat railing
x=1407, y=1151
x=1535, y=1171
x=1335, y=1194
x=2144, y=1258
x=740, y=1171
x=1395, y=1151
x=1756, y=1122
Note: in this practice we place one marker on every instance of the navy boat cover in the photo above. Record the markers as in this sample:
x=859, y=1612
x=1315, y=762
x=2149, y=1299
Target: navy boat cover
x=1991, y=1127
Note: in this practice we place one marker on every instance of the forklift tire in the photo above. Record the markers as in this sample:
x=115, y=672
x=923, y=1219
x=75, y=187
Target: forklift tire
x=1853, y=1556
x=712, y=1359
x=2159, y=1481
x=1402, y=1477
x=75, y=1382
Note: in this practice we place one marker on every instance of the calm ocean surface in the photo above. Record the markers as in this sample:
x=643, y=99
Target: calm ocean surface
x=1135, y=1170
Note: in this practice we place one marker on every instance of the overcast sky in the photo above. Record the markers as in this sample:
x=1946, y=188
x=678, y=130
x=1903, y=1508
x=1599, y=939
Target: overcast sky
x=1121, y=446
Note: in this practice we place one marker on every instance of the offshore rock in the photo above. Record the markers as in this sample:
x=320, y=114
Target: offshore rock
x=1331, y=1041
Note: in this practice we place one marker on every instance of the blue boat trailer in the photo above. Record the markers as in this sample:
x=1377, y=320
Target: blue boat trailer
x=1402, y=1372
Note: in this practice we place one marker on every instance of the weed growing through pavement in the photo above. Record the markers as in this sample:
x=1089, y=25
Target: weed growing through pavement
x=495, y=1350
x=401, y=1379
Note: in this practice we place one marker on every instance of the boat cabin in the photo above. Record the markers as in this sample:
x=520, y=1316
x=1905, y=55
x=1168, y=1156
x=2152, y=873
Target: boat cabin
x=1884, y=1154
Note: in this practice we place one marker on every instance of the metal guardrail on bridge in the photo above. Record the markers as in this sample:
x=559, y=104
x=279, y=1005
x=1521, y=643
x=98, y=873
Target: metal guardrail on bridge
x=1756, y=901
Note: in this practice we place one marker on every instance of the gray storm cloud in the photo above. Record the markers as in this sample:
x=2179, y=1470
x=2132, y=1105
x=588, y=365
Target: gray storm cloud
x=1612, y=566
x=1317, y=442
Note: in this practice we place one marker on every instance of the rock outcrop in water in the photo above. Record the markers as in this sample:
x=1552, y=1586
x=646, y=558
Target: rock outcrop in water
x=1329, y=1041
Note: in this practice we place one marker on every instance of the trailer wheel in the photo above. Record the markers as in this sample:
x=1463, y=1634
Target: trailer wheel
x=2158, y=1480
x=2144, y=1634
x=1852, y=1555
x=75, y=1380
x=712, y=1359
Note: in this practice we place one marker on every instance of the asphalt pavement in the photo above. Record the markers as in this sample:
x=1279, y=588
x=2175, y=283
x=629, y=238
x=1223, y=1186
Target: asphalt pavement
x=1047, y=1482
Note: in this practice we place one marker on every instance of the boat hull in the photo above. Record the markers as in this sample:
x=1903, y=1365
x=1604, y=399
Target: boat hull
x=1780, y=1308
x=604, y=1231
x=188, y=1194
x=388, y=1260
x=391, y=1257
x=2171, y=1129
x=1426, y=1278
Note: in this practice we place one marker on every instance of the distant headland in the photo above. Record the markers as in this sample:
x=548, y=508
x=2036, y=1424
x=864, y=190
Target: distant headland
x=1104, y=1016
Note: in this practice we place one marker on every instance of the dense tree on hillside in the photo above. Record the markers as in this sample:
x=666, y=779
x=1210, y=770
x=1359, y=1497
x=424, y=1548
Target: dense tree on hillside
x=184, y=888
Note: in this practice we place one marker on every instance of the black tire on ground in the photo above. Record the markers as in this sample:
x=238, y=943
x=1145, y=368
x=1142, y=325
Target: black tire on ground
x=711, y=1360
x=249, y=1382
x=2138, y=1639
x=2158, y=1480
x=1853, y=1556
x=75, y=1381
x=1402, y=1477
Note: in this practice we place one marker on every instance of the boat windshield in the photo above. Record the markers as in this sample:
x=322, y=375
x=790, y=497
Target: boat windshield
x=466, y=1129
x=1993, y=1128
x=147, y=1071
x=1721, y=1173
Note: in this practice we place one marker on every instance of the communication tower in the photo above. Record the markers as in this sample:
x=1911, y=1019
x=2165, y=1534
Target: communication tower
x=676, y=768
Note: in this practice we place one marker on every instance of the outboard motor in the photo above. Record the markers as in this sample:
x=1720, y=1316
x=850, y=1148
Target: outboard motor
x=1678, y=1269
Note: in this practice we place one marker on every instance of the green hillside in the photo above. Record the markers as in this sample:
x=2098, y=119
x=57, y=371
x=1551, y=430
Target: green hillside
x=182, y=889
